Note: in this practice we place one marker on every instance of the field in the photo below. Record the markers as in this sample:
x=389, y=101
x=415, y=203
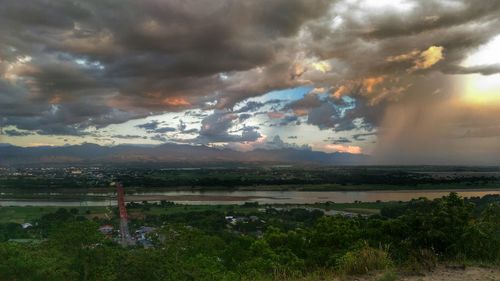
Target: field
x=30, y=213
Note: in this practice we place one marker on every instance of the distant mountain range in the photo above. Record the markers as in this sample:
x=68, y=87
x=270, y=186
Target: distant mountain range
x=174, y=154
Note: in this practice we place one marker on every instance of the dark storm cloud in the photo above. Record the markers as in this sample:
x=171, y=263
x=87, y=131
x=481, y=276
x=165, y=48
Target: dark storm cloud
x=286, y=120
x=305, y=104
x=69, y=66
x=481, y=69
x=362, y=137
x=128, y=137
x=159, y=138
x=154, y=127
x=289, y=119
x=253, y=106
x=217, y=128
x=138, y=58
x=165, y=130
x=433, y=15
x=340, y=140
x=325, y=116
x=182, y=127
x=244, y=116
x=16, y=133
x=278, y=143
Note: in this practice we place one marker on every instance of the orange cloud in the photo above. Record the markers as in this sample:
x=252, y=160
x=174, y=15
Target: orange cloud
x=300, y=111
x=371, y=82
x=56, y=99
x=422, y=59
x=340, y=92
x=176, y=102
x=275, y=115
x=338, y=148
x=297, y=70
x=317, y=90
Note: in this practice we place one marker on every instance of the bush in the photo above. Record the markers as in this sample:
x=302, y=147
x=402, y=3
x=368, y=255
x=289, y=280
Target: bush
x=421, y=260
x=481, y=240
x=363, y=261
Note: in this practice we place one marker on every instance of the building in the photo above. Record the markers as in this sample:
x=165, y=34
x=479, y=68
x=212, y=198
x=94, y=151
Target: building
x=106, y=229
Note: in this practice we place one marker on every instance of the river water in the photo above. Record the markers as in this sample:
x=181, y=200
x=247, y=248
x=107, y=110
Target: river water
x=262, y=197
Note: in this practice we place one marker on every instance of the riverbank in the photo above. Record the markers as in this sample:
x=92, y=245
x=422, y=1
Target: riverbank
x=230, y=197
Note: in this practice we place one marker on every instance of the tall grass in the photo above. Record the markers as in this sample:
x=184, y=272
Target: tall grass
x=363, y=261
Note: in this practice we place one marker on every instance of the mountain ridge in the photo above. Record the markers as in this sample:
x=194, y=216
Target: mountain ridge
x=168, y=153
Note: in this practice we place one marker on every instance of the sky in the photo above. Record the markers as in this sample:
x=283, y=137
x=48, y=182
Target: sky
x=404, y=81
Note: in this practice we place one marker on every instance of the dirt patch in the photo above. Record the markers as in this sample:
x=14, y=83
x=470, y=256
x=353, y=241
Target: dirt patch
x=468, y=274
x=441, y=273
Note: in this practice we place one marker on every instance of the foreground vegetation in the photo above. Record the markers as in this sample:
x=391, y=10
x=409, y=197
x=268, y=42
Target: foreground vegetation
x=283, y=244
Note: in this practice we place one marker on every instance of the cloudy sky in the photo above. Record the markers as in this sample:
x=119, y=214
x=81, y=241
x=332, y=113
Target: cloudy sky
x=406, y=81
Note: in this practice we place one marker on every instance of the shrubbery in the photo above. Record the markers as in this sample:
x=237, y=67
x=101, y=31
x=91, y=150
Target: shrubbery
x=423, y=234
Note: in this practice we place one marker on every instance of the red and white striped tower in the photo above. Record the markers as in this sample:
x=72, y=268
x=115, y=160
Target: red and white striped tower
x=126, y=239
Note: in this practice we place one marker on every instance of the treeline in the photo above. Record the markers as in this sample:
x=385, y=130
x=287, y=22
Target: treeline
x=230, y=178
x=423, y=234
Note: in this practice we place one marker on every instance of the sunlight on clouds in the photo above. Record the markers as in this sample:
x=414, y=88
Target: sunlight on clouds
x=400, y=5
x=479, y=88
x=422, y=59
x=322, y=66
x=429, y=57
x=328, y=147
x=403, y=57
x=371, y=82
x=176, y=102
x=15, y=69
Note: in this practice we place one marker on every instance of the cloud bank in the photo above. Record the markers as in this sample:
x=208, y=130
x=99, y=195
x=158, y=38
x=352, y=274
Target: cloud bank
x=388, y=68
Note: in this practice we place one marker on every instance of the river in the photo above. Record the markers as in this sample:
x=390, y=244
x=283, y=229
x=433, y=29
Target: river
x=262, y=197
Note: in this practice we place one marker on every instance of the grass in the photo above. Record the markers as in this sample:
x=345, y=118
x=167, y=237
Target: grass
x=19, y=214
x=388, y=276
x=176, y=209
x=30, y=213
